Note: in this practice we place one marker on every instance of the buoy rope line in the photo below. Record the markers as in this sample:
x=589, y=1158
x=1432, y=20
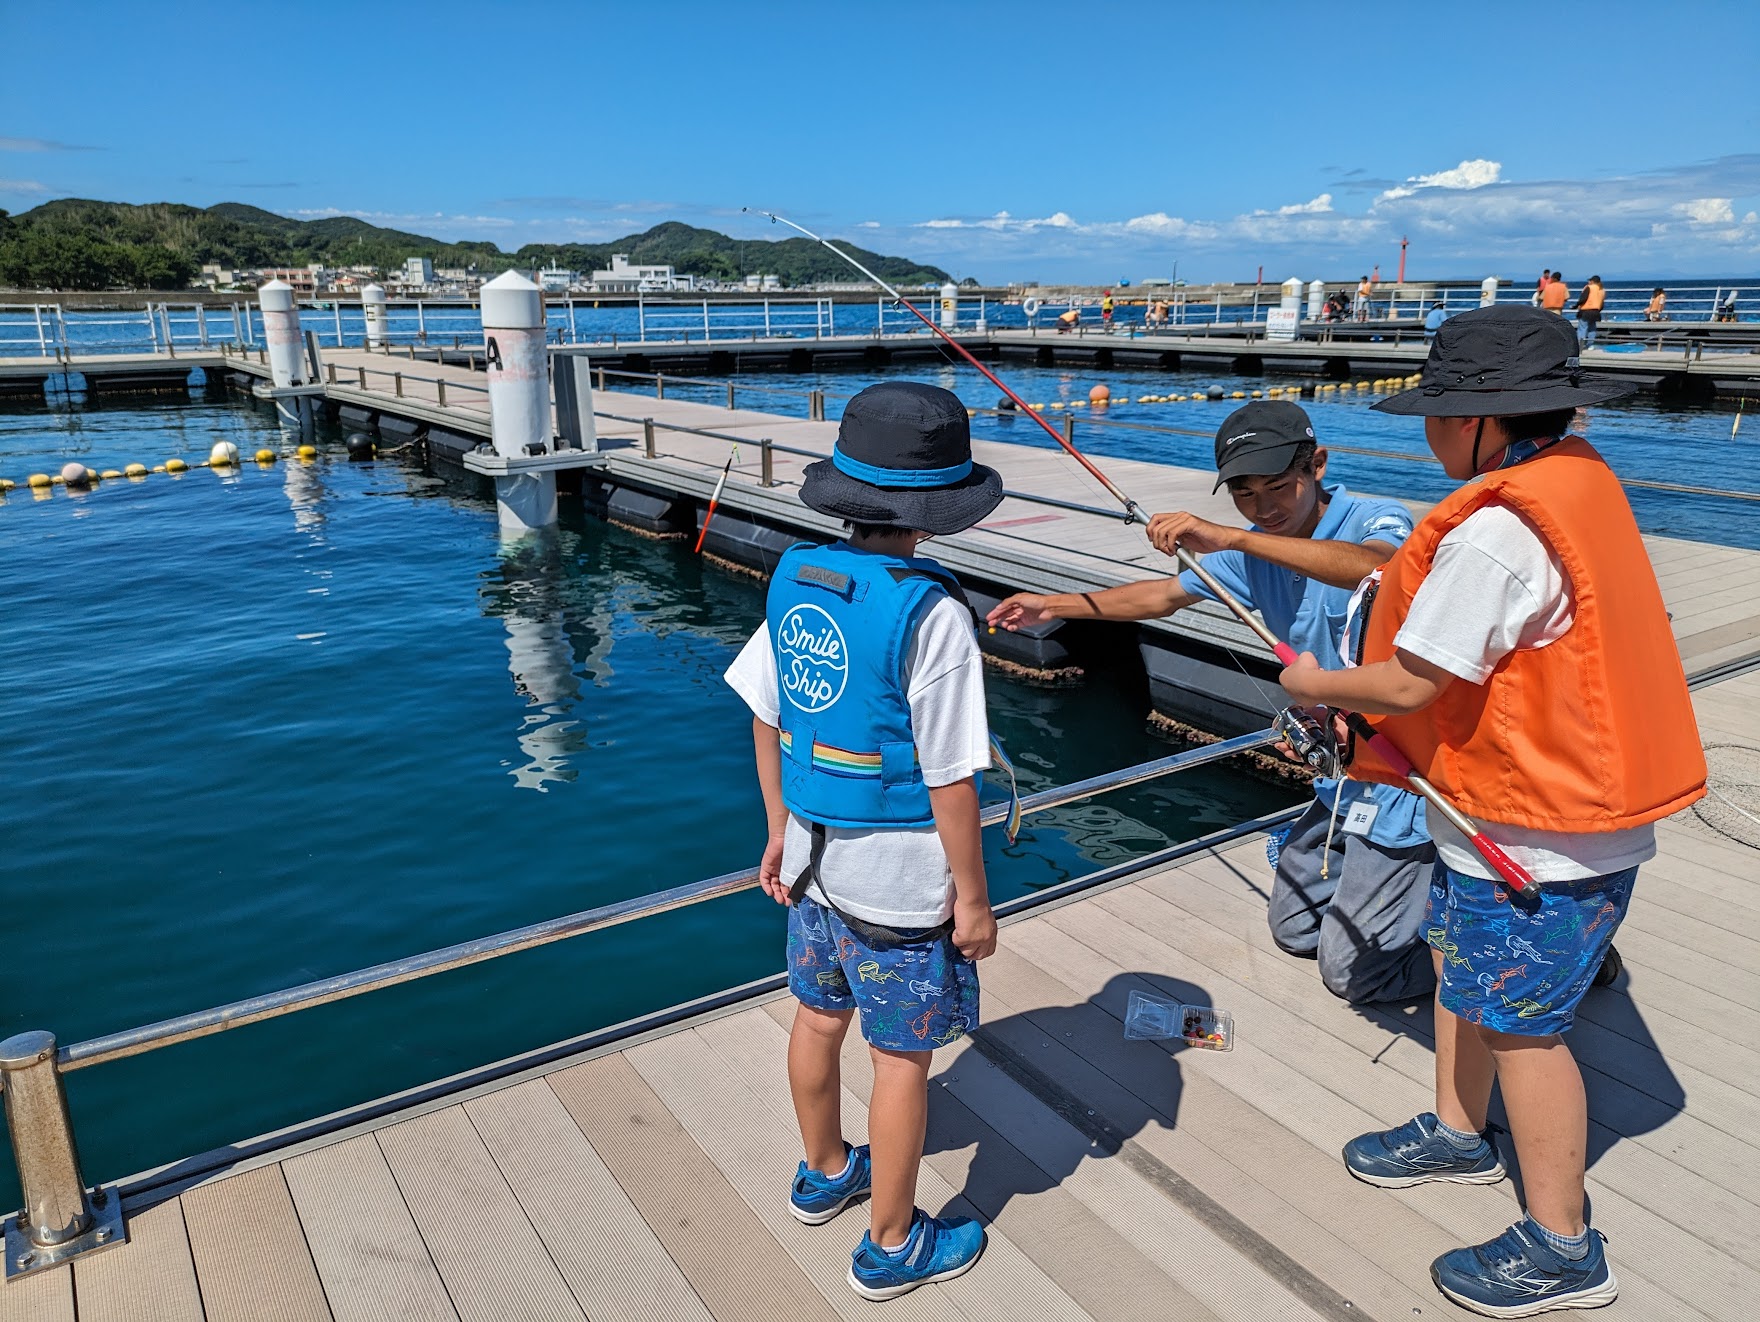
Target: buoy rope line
x=89, y=478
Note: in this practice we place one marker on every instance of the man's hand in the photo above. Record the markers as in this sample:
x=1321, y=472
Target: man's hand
x=770, y=871
x=974, y=930
x=1020, y=611
x=1199, y=536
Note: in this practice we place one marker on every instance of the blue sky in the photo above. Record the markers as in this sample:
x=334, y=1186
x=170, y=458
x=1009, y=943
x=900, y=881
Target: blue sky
x=1007, y=141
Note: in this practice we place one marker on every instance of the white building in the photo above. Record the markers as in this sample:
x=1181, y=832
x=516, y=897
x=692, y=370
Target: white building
x=418, y=272
x=763, y=284
x=555, y=280
x=623, y=278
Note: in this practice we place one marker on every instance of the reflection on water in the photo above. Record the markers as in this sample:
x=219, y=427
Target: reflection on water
x=525, y=592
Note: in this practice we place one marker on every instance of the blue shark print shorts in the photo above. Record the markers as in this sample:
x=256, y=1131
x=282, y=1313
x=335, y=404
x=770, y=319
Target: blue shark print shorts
x=1522, y=966
x=915, y=990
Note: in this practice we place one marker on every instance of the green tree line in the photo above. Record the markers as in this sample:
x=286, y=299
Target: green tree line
x=75, y=243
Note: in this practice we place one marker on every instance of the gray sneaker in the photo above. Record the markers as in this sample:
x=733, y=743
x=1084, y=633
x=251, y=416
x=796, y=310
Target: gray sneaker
x=1417, y=1153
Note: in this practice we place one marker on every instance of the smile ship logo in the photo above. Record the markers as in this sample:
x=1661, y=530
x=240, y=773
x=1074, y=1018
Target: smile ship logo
x=814, y=661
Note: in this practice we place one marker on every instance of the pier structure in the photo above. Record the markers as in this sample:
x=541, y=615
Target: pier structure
x=642, y=1171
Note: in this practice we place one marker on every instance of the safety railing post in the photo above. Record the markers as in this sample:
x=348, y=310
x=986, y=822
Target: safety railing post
x=397, y=383
x=648, y=437
x=330, y=372
x=766, y=464
x=363, y=377
x=60, y=1218
x=1069, y=427
x=440, y=391
x=659, y=386
x=730, y=396
x=601, y=385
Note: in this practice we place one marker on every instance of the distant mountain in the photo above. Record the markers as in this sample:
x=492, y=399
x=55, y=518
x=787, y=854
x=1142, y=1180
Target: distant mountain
x=75, y=243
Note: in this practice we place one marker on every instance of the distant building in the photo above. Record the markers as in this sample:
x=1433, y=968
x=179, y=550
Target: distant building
x=623, y=278
x=215, y=276
x=756, y=284
x=304, y=279
x=418, y=272
x=555, y=280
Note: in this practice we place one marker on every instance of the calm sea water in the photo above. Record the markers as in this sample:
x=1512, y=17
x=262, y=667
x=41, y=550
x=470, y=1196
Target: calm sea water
x=265, y=728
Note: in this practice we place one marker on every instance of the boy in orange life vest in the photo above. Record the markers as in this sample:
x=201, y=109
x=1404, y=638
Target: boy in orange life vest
x=1517, y=650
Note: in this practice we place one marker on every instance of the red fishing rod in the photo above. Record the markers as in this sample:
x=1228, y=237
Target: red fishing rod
x=1512, y=873
x=715, y=499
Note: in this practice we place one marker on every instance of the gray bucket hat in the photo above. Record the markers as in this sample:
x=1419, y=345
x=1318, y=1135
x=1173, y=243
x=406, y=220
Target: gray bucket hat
x=1500, y=362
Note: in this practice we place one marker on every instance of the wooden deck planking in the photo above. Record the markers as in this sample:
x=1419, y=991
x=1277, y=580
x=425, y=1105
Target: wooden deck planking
x=250, y=1254
x=152, y=1278
x=605, y=1251
x=370, y=1255
x=724, y=1251
x=487, y=1252
x=44, y=1297
x=1278, y=1064
x=1094, y=1265
x=740, y=1134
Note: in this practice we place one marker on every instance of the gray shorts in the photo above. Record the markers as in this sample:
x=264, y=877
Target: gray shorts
x=1364, y=920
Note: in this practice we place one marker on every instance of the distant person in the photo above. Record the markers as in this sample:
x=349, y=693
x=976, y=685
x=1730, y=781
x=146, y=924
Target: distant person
x=1589, y=304
x=1353, y=875
x=865, y=647
x=1069, y=319
x=1556, y=294
x=1364, y=290
x=1434, y=318
x=1658, y=308
x=1106, y=311
x=1540, y=285
x=1726, y=309
x=1338, y=305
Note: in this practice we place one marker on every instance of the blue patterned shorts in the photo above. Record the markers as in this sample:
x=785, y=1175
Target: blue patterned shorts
x=1522, y=966
x=915, y=992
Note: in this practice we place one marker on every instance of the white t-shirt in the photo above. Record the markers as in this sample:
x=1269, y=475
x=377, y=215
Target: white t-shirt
x=1497, y=586
x=895, y=877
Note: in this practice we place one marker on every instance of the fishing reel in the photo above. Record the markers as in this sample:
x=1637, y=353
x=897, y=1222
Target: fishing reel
x=1310, y=738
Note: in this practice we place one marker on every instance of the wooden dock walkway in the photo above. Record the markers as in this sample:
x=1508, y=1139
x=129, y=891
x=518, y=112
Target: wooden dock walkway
x=1120, y=1180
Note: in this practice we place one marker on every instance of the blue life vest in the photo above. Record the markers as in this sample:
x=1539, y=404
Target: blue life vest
x=841, y=623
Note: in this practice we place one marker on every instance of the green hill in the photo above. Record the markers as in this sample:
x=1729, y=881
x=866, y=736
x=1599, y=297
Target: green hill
x=76, y=243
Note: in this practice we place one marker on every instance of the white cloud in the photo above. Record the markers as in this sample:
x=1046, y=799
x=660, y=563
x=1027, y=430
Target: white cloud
x=21, y=186
x=1476, y=173
x=1751, y=218
x=1319, y=206
x=868, y=225
x=1707, y=211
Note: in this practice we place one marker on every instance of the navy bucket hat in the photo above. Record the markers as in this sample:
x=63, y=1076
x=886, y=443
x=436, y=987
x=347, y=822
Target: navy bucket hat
x=1501, y=362
x=903, y=459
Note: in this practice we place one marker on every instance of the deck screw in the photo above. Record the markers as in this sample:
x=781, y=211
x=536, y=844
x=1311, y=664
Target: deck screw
x=103, y=1234
x=25, y=1260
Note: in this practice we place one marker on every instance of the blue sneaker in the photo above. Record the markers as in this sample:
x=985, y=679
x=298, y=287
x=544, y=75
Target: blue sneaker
x=1416, y=1153
x=936, y=1250
x=1518, y=1275
x=816, y=1198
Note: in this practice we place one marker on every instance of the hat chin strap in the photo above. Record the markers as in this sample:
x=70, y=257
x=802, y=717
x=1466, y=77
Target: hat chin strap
x=1478, y=435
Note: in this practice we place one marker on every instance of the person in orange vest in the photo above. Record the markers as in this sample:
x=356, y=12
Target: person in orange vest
x=1556, y=294
x=1516, y=648
x=1589, y=305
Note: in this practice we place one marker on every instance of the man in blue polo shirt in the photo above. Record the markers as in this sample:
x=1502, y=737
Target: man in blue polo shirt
x=1353, y=874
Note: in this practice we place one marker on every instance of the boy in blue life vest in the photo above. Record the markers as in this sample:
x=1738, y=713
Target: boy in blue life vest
x=867, y=693
x=1352, y=876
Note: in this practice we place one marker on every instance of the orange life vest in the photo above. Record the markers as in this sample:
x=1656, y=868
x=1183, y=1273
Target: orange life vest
x=1593, y=732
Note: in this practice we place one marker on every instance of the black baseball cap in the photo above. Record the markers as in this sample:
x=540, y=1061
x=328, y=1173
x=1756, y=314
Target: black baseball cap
x=1261, y=439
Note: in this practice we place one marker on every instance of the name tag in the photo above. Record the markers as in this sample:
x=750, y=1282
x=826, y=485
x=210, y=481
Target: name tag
x=1360, y=817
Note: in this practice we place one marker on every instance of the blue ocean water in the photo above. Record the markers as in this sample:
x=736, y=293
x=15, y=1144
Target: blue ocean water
x=269, y=727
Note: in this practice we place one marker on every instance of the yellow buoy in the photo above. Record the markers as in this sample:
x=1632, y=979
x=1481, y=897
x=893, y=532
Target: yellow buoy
x=307, y=452
x=265, y=456
x=1037, y=408
x=1258, y=394
x=135, y=470
x=109, y=473
x=1055, y=404
x=1239, y=394
x=158, y=468
x=176, y=466
x=7, y=484
x=39, y=480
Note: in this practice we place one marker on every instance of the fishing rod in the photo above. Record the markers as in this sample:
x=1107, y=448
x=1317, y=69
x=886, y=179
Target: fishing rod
x=1132, y=511
x=1512, y=873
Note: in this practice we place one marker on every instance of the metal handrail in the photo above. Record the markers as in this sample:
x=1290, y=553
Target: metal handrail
x=766, y=444
x=271, y=1005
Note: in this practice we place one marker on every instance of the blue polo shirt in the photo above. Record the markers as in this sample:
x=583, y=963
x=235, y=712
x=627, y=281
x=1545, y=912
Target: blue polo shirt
x=1310, y=616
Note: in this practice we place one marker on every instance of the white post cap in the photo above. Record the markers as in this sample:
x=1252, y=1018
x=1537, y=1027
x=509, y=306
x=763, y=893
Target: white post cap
x=276, y=296
x=374, y=293
x=512, y=302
